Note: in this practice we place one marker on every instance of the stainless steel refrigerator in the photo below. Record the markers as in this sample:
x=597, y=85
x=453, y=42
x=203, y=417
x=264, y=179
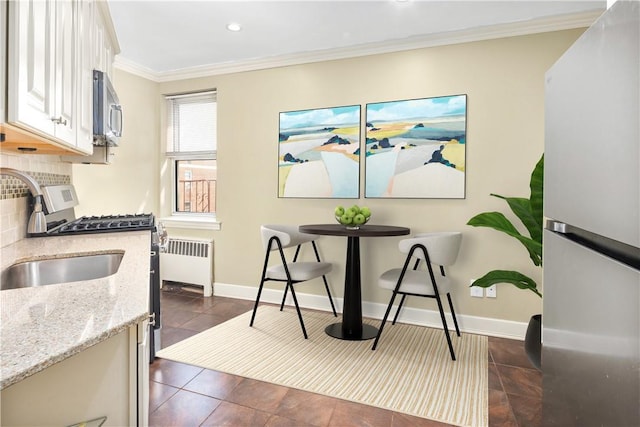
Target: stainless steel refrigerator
x=591, y=275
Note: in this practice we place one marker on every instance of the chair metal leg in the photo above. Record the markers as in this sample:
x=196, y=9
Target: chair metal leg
x=326, y=286
x=384, y=320
x=255, y=307
x=398, y=310
x=453, y=314
x=446, y=329
x=324, y=278
x=295, y=301
x=393, y=298
x=284, y=297
x=262, y=280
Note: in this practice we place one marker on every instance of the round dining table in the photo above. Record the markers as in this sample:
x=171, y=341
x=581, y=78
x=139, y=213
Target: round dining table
x=351, y=328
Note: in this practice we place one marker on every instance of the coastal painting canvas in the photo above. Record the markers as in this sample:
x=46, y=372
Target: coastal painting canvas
x=416, y=148
x=319, y=153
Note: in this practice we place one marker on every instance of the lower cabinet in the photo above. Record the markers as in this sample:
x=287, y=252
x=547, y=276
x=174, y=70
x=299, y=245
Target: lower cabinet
x=106, y=380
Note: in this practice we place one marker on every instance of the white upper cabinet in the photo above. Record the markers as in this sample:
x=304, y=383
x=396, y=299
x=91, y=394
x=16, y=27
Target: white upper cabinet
x=66, y=71
x=31, y=65
x=105, y=43
x=3, y=66
x=84, y=49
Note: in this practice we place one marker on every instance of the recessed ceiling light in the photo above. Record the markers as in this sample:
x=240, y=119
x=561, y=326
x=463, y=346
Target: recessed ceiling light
x=233, y=26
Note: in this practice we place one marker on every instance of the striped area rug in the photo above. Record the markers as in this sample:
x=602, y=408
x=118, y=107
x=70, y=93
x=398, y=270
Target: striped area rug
x=410, y=372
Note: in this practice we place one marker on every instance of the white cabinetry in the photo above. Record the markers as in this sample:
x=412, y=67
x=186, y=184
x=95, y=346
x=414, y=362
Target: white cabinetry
x=3, y=65
x=53, y=47
x=84, y=49
x=43, y=68
x=31, y=65
x=64, y=60
x=105, y=43
x=106, y=380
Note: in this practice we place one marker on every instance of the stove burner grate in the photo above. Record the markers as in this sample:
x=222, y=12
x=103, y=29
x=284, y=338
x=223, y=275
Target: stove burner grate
x=108, y=223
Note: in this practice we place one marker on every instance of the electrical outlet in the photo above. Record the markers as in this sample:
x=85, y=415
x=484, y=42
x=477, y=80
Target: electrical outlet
x=492, y=291
x=476, y=291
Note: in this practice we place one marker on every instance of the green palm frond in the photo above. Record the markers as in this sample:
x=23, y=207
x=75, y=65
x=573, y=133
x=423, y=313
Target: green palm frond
x=529, y=212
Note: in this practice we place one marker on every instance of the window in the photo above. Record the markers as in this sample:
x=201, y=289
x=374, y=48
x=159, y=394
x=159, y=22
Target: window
x=191, y=144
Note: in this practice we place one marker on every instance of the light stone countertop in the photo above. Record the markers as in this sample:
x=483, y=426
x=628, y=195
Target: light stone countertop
x=43, y=325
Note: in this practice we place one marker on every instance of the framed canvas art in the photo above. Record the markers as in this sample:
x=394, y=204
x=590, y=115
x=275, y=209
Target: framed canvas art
x=319, y=153
x=416, y=148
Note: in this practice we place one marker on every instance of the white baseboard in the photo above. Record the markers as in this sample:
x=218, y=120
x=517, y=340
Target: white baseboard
x=423, y=317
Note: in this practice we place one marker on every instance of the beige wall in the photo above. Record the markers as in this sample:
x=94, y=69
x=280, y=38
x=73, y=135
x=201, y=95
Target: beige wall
x=130, y=184
x=504, y=81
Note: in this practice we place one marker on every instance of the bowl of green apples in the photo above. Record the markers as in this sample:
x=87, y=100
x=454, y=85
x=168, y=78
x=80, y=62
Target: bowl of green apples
x=354, y=217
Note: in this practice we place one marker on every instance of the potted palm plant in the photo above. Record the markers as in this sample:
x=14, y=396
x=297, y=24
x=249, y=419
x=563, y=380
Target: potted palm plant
x=529, y=212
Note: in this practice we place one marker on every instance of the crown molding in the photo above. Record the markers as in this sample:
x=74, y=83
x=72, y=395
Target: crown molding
x=543, y=25
x=136, y=69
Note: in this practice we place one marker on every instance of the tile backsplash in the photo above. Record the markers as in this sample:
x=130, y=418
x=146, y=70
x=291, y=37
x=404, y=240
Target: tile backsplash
x=14, y=194
x=12, y=188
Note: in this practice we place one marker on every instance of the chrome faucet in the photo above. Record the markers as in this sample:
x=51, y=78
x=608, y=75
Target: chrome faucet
x=37, y=221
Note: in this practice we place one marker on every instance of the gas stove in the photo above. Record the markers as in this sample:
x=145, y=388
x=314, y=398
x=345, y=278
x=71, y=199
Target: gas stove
x=59, y=204
x=106, y=224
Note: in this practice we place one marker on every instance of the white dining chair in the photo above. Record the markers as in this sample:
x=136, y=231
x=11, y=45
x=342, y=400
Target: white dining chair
x=278, y=238
x=439, y=249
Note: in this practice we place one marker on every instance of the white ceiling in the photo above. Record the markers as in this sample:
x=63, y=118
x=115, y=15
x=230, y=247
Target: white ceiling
x=171, y=37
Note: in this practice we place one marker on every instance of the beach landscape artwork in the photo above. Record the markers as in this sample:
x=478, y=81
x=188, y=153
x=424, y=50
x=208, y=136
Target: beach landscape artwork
x=416, y=148
x=319, y=153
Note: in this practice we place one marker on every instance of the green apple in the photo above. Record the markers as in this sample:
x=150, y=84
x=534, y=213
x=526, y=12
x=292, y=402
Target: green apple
x=356, y=208
x=339, y=211
x=346, y=219
x=359, y=219
x=365, y=211
x=351, y=212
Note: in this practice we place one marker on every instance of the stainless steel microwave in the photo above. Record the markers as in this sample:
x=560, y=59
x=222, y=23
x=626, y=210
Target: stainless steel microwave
x=107, y=112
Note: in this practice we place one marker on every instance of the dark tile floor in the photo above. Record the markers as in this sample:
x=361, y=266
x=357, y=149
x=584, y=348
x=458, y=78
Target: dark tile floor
x=185, y=395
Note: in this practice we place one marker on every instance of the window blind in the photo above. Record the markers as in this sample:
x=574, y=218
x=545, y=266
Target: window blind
x=192, y=124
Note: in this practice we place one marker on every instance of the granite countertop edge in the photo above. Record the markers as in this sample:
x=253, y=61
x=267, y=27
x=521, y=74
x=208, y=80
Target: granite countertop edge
x=53, y=359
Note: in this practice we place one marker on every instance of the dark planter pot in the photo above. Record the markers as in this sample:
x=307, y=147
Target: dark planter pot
x=533, y=340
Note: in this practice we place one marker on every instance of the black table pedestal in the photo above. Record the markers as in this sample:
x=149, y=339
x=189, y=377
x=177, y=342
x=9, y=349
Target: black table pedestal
x=367, y=332
x=351, y=327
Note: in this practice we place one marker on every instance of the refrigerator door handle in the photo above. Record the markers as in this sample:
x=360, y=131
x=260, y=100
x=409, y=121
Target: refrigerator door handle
x=627, y=254
x=556, y=226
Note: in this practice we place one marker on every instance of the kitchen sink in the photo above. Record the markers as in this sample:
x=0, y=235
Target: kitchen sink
x=60, y=270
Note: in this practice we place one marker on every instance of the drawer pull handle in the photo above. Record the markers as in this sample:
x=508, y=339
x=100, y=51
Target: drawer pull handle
x=59, y=120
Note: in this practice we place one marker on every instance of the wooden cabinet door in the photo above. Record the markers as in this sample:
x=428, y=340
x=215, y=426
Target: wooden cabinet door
x=103, y=46
x=66, y=72
x=3, y=67
x=97, y=382
x=99, y=34
x=31, y=70
x=84, y=134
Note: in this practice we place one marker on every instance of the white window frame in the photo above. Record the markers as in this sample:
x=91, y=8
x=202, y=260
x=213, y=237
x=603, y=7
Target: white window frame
x=196, y=220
